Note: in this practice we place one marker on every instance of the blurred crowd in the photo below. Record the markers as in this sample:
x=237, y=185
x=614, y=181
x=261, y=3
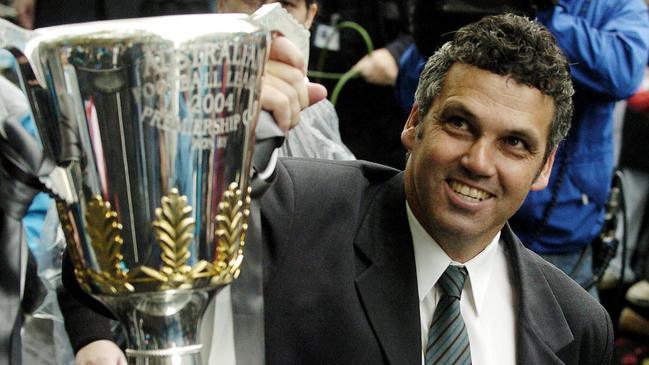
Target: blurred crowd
x=592, y=219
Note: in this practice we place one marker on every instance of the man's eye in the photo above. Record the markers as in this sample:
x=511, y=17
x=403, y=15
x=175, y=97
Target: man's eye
x=514, y=142
x=457, y=123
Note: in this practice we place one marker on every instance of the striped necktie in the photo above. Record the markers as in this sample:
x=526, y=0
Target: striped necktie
x=448, y=341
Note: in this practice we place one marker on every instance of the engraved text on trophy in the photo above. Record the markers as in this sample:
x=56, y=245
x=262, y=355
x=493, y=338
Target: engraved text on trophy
x=215, y=84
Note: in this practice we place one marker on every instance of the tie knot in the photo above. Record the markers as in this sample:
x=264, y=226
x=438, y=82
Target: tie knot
x=452, y=281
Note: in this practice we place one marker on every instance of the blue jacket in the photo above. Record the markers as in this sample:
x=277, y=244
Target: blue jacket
x=410, y=66
x=606, y=42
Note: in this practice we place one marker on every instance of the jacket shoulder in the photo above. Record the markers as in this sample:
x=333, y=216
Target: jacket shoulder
x=303, y=169
x=306, y=180
x=587, y=319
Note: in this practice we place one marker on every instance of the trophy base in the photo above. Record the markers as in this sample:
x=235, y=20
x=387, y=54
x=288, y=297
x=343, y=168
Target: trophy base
x=187, y=355
x=162, y=328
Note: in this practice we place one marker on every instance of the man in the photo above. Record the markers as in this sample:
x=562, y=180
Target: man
x=487, y=121
x=606, y=42
x=354, y=250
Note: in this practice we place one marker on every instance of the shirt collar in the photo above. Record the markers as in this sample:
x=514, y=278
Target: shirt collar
x=431, y=262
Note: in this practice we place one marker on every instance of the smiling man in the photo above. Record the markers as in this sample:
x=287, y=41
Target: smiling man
x=368, y=265
x=474, y=156
x=364, y=264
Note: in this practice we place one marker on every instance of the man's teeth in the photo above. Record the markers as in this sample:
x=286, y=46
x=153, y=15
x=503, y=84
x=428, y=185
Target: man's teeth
x=469, y=192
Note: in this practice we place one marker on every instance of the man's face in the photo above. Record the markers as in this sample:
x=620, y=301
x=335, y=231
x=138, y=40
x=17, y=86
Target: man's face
x=301, y=12
x=298, y=8
x=477, y=154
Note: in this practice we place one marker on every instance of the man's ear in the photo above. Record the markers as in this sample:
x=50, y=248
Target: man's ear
x=409, y=133
x=542, y=180
x=311, y=12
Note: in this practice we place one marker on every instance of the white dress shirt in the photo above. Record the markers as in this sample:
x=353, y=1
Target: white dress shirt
x=487, y=302
x=217, y=331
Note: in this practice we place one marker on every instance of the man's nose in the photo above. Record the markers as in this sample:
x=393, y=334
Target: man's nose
x=479, y=159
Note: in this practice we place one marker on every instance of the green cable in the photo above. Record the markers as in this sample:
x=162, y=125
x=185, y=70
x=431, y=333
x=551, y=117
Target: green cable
x=342, y=25
x=343, y=80
x=351, y=73
x=358, y=28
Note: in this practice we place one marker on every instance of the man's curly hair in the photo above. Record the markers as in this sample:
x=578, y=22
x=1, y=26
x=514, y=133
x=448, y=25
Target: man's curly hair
x=507, y=45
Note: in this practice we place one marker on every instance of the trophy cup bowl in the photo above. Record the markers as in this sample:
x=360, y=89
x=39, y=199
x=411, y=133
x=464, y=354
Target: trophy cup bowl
x=152, y=121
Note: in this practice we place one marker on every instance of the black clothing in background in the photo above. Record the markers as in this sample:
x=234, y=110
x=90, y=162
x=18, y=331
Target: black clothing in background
x=57, y=12
x=633, y=154
x=166, y=7
x=433, y=22
x=51, y=12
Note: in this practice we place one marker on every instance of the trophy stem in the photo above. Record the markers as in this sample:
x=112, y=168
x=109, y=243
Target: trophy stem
x=188, y=355
x=162, y=328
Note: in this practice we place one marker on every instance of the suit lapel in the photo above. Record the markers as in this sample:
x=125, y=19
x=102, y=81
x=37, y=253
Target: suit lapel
x=386, y=280
x=542, y=329
x=387, y=285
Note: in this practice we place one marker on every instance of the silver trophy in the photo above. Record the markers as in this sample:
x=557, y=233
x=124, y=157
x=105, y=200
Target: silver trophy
x=151, y=122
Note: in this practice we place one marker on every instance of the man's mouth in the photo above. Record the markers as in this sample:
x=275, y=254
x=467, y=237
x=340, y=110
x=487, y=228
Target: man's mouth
x=469, y=193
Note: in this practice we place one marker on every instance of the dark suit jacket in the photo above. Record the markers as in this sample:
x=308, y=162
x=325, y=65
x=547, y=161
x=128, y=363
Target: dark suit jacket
x=341, y=285
x=340, y=282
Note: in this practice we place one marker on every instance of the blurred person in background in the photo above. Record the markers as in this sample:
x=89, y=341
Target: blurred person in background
x=22, y=210
x=366, y=105
x=315, y=133
x=634, y=315
x=607, y=45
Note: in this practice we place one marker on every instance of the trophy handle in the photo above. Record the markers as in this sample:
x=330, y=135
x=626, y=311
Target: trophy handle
x=41, y=105
x=15, y=39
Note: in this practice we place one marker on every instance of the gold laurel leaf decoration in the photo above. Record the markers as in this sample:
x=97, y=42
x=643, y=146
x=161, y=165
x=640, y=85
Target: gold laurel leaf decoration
x=105, y=233
x=174, y=228
x=68, y=232
x=230, y=232
x=154, y=274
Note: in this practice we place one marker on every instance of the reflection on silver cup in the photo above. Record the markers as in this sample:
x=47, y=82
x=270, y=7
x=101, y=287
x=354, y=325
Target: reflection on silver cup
x=165, y=127
x=153, y=121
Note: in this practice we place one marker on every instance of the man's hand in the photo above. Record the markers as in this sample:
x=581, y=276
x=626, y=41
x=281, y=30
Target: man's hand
x=285, y=91
x=102, y=352
x=25, y=13
x=378, y=67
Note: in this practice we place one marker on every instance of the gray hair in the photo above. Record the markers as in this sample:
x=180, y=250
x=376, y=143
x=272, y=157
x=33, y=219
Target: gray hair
x=507, y=45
